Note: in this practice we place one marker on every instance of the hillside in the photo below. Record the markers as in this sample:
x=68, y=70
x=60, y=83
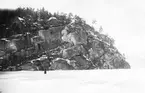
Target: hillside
x=66, y=42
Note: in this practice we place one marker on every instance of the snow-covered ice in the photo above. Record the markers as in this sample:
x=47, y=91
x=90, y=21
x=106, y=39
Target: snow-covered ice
x=87, y=81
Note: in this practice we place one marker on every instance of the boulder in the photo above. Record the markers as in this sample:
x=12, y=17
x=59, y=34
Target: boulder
x=75, y=38
x=60, y=64
x=2, y=53
x=28, y=66
x=52, y=35
x=80, y=37
x=73, y=51
x=120, y=64
x=82, y=62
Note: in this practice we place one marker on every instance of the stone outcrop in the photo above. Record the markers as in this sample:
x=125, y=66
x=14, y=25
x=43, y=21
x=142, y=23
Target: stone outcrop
x=68, y=42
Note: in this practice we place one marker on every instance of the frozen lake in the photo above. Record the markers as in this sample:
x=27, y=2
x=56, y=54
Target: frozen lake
x=88, y=81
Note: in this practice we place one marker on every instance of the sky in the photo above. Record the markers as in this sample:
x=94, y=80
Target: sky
x=123, y=20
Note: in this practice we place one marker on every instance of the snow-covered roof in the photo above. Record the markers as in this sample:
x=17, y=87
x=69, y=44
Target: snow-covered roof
x=52, y=18
x=21, y=19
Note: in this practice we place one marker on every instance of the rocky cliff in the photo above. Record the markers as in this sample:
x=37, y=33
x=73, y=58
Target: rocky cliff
x=68, y=42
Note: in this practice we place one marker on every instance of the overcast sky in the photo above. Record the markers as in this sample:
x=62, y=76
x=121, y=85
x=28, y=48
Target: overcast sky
x=124, y=20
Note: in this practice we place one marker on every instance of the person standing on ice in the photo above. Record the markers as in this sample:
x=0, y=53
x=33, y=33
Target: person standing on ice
x=45, y=63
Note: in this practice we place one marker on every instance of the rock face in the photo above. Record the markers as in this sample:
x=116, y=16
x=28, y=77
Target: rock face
x=68, y=42
x=82, y=49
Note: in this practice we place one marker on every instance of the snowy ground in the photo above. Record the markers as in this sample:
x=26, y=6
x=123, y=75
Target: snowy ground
x=92, y=81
